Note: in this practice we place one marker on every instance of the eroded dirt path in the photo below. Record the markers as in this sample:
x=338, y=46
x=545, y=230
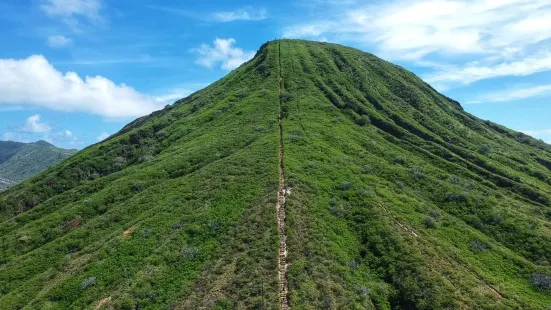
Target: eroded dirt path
x=282, y=253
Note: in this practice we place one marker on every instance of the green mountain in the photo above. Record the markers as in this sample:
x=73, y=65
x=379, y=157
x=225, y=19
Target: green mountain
x=19, y=161
x=315, y=176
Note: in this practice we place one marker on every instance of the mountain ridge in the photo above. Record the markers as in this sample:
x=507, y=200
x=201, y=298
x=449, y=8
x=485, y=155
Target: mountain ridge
x=19, y=161
x=393, y=197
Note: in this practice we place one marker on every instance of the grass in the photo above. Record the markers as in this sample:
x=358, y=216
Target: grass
x=399, y=199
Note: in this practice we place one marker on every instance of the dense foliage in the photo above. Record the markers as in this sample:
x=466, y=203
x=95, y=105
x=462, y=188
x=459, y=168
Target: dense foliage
x=398, y=199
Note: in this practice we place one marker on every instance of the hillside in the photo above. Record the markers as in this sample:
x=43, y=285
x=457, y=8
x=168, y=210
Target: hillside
x=19, y=161
x=314, y=176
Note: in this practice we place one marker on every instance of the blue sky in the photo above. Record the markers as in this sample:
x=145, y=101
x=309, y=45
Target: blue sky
x=74, y=71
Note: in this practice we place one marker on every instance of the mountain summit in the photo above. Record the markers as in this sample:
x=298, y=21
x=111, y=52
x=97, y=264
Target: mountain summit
x=314, y=176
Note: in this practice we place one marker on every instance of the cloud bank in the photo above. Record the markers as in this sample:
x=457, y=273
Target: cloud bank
x=479, y=39
x=33, y=124
x=34, y=81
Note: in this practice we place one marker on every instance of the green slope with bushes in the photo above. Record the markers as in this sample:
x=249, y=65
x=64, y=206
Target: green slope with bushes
x=396, y=199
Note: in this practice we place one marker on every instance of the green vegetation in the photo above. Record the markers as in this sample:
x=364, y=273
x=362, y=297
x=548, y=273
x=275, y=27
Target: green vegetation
x=20, y=161
x=398, y=199
x=423, y=206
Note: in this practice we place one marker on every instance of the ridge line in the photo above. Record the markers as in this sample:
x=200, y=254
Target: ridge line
x=282, y=250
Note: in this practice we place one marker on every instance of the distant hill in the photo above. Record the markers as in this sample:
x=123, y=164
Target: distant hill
x=20, y=161
x=314, y=176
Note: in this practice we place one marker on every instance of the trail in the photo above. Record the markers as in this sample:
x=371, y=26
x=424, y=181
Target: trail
x=282, y=252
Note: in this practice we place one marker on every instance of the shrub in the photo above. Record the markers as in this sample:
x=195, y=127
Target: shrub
x=497, y=220
x=347, y=186
x=416, y=173
x=399, y=161
x=263, y=68
x=478, y=245
x=363, y=120
x=542, y=281
x=456, y=197
x=189, y=252
x=119, y=162
x=137, y=187
x=454, y=179
x=146, y=233
x=145, y=159
x=484, y=150
x=367, y=169
x=434, y=214
x=90, y=281
x=285, y=97
x=429, y=222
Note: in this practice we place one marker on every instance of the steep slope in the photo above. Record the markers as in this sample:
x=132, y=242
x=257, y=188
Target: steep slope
x=19, y=161
x=176, y=199
x=400, y=198
x=314, y=176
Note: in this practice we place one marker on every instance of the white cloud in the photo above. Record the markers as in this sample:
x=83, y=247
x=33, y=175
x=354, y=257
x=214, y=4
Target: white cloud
x=515, y=94
x=58, y=41
x=71, y=12
x=70, y=8
x=484, y=38
x=473, y=72
x=102, y=136
x=242, y=14
x=32, y=130
x=34, y=81
x=33, y=124
x=68, y=133
x=223, y=53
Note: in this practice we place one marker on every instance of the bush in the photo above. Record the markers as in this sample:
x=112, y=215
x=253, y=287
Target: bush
x=145, y=158
x=367, y=169
x=399, y=161
x=478, y=245
x=416, y=173
x=146, y=233
x=363, y=120
x=457, y=197
x=484, y=150
x=429, y=222
x=542, y=281
x=285, y=97
x=454, y=179
x=90, y=281
x=434, y=214
x=189, y=252
x=137, y=187
x=347, y=186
